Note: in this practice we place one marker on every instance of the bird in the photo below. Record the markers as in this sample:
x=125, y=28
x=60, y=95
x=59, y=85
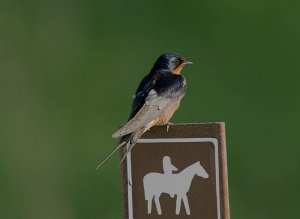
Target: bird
x=156, y=99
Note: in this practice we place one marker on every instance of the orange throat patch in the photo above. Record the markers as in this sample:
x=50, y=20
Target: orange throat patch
x=178, y=69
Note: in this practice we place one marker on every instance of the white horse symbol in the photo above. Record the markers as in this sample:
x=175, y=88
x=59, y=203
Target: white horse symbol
x=156, y=183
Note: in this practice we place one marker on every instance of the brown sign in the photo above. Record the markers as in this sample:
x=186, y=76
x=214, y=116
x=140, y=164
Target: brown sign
x=177, y=173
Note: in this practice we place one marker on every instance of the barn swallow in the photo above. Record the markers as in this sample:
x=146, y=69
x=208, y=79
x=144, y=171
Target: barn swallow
x=156, y=99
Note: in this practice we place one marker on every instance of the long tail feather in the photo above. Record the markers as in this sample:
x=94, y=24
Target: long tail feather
x=126, y=153
x=111, y=153
x=133, y=140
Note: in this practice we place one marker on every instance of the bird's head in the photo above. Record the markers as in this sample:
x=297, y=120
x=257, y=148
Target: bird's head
x=170, y=62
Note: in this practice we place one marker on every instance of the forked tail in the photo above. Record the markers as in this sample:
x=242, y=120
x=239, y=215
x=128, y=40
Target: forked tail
x=111, y=153
x=132, y=140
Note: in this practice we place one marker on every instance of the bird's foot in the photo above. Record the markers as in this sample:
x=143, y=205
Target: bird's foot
x=168, y=125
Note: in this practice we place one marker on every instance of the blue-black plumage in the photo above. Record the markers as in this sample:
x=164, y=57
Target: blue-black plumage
x=156, y=99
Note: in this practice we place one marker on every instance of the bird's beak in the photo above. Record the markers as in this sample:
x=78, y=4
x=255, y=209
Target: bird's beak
x=188, y=63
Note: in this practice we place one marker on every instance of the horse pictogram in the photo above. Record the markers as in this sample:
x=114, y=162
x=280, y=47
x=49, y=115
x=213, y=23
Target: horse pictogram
x=171, y=183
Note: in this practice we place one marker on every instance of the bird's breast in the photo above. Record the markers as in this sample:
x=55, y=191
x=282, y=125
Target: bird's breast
x=168, y=113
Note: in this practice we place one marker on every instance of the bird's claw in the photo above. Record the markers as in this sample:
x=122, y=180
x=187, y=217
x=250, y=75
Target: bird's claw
x=168, y=126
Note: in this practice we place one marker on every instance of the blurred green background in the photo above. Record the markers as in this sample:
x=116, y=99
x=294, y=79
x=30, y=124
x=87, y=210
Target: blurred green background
x=69, y=70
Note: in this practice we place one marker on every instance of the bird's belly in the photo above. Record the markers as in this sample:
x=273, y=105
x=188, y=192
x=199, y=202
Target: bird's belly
x=166, y=116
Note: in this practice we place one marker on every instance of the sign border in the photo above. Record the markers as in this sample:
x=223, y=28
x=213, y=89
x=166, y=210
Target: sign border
x=174, y=140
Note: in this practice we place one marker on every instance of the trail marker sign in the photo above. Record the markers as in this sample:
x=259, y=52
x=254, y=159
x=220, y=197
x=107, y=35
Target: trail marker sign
x=179, y=172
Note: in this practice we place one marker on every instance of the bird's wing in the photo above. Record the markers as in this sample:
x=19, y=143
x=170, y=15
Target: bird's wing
x=141, y=93
x=152, y=108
